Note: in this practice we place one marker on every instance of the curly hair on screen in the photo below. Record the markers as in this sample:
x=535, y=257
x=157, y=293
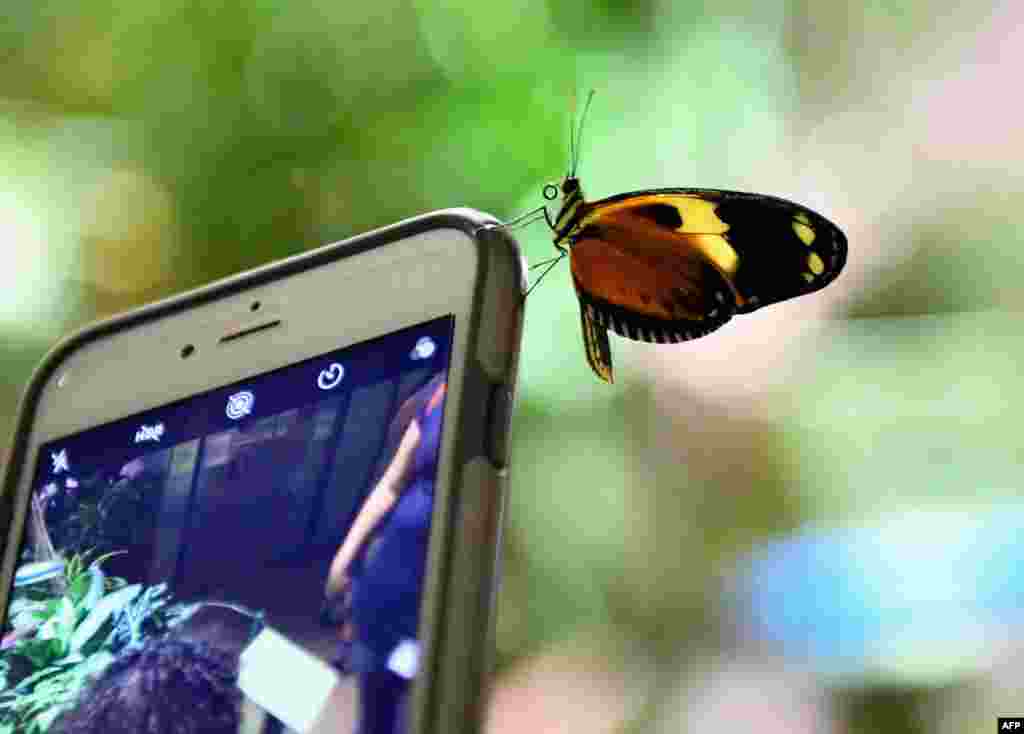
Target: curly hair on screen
x=166, y=686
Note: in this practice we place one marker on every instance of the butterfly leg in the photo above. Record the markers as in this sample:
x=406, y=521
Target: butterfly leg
x=542, y=263
x=550, y=264
x=528, y=218
x=547, y=218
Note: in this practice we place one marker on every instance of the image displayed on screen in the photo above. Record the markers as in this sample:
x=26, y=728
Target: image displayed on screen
x=246, y=560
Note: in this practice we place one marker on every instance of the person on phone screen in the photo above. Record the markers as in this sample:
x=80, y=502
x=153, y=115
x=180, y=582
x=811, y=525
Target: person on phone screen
x=384, y=601
x=166, y=685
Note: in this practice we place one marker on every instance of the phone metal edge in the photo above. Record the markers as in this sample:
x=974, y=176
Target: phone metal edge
x=460, y=676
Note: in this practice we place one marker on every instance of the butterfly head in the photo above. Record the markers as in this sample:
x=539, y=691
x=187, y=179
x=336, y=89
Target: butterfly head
x=571, y=205
x=571, y=210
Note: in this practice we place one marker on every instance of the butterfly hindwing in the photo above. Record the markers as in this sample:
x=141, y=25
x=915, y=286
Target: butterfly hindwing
x=655, y=293
x=596, y=344
x=640, y=283
x=649, y=272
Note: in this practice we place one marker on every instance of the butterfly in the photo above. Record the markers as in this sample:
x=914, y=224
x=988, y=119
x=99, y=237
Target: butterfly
x=670, y=265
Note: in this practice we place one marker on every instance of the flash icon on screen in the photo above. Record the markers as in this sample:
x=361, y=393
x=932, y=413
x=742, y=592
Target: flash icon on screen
x=60, y=462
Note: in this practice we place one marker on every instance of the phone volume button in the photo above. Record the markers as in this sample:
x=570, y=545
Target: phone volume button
x=499, y=418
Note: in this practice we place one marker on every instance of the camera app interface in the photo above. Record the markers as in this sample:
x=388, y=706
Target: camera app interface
x=249, y=560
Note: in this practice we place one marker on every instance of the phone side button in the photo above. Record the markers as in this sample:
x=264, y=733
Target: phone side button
x=499, y=419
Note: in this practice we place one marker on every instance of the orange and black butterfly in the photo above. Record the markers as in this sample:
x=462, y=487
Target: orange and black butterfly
x=669, y=265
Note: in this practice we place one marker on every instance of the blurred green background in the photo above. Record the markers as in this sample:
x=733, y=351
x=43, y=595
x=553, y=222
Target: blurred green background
x=807, y=519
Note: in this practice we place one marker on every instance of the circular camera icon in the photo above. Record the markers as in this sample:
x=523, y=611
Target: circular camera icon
x=240, y=405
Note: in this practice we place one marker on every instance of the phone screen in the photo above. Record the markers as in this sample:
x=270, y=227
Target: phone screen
x=250, y=559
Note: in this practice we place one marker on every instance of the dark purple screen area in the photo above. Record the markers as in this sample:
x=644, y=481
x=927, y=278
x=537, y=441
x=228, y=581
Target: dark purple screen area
x=210, y=519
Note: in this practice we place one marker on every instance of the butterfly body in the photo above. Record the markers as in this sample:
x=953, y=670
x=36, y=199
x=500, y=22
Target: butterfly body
x=670, y=265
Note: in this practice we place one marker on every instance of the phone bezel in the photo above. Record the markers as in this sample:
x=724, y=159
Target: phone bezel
x=456, y=261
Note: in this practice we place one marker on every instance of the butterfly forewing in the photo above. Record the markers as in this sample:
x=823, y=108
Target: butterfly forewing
x=769, y=249
x=784, y=250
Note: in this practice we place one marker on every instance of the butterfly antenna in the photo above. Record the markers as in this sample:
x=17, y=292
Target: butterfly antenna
x=572, y=136
x=550, y=264
x=578, y=144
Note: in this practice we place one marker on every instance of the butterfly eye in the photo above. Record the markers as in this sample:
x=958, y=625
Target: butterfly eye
x=550, y=192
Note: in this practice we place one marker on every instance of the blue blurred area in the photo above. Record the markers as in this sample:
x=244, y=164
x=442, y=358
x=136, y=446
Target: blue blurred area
x=926, y=596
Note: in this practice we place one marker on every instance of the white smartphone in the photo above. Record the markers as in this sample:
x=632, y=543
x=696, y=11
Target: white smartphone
x=272, y=504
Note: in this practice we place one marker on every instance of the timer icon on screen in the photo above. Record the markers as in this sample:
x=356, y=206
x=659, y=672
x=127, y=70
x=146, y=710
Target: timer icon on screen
x=329, y=378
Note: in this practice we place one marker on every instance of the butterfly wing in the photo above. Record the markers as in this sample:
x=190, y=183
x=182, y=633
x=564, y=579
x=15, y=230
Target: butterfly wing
x=645, y=283
x=595, y=342
x=769, y=249
x=676, y=264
